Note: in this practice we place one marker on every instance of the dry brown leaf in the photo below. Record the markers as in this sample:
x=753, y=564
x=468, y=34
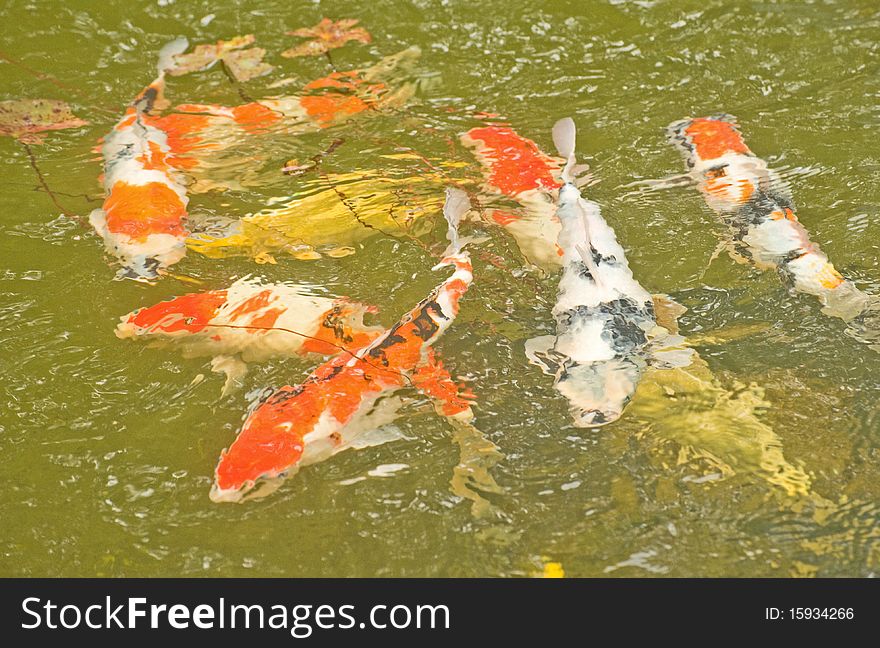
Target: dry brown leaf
x=326, y=35
x=243, y=62
x=24, y=119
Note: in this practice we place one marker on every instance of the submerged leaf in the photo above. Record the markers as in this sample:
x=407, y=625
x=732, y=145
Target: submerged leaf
x=24, y=119
x=326, y=35
x=243, y=64
x=346, y=209
x=715, y=423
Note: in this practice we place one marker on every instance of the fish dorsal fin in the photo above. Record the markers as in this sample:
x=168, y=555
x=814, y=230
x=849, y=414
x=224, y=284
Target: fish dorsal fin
x=565, y=139
x=585, y=249
x=540, y=352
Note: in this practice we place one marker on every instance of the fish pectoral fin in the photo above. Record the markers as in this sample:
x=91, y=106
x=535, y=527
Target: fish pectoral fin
x=234, y=368
x=667, y=311
x=540, y=352
x=377, y=436
x=670, y=350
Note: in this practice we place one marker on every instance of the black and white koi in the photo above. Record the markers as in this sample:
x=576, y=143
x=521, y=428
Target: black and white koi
x=605, y=322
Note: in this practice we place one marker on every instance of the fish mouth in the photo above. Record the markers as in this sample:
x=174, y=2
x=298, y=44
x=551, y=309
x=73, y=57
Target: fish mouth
x=248, y=491
x=593, y=418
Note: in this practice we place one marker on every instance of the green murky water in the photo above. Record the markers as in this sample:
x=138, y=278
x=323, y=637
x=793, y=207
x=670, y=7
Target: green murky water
x=107, y=448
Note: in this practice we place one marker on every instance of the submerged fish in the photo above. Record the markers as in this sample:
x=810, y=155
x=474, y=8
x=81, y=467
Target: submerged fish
x=514, y=167
x=252, y=322
x=211, y=129
x=143, y=217
x=754, y=202
x=301, y=425
x=605, y=320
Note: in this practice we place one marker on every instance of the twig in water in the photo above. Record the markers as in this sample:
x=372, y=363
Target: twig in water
x=45, y=186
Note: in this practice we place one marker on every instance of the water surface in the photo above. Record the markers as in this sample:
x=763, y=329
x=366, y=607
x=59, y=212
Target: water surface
x=107, y=447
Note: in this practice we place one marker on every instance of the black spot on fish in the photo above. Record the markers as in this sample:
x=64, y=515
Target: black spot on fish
x=378, y=351
x=146, y=100
x=282, y=396
x=579, y=266
x=425, y=325
x=335, y=323
x=582, y=270
x=621, y=317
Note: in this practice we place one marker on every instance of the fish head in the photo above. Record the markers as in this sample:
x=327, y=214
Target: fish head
x=182, y=315
x=729, y=174
x=598, y=392
x=704, y=139
x=267, y=450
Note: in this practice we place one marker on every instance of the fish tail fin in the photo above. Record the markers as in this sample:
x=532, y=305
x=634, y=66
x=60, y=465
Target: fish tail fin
x=145, y=270
x=456, y=206
x=865, y=327
x=153, y=96
x=168, y=52
x=565, y=138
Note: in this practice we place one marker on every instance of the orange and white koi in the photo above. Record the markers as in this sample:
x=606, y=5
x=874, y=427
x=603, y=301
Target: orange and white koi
x=754, y=202
x=143, y=217
x=514, y=167
x=295, y=426
x=323, y=103
x=605, y=322
x=252, y=321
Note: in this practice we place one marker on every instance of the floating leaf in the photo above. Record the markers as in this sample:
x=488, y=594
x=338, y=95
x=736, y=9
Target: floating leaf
x=326, y=35
x=243, y=64
x=345, y=209
x=24, y=119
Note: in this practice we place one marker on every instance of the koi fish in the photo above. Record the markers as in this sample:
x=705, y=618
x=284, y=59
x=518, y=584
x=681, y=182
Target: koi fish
x=605, y=321
x=142, y=220
x=514, y=167
x=324, y=102
x=295, y=426
x=754, y=202
x=251, y=322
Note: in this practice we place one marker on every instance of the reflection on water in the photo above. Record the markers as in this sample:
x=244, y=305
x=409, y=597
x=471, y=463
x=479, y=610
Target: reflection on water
x=759, y=459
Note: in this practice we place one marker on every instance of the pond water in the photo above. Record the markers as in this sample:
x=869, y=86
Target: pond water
x=767, y=464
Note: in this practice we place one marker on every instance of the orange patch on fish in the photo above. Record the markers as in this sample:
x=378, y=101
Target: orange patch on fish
x=270, y=441
x=255, y=304
x=125, y=123
x=828, y=277
x=140, y=210
x=503, y=217
x=190, y=313
x=330, y=106
x=325, y=109
x=432, y=379
x=155, y=160
x=181, y=130
x=746, y=190
x=255, y=117
x=712, y=138
x=517, y=164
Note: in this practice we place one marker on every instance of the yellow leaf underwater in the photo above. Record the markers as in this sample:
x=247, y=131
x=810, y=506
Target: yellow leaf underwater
x=336, y=212
x=690, y=407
